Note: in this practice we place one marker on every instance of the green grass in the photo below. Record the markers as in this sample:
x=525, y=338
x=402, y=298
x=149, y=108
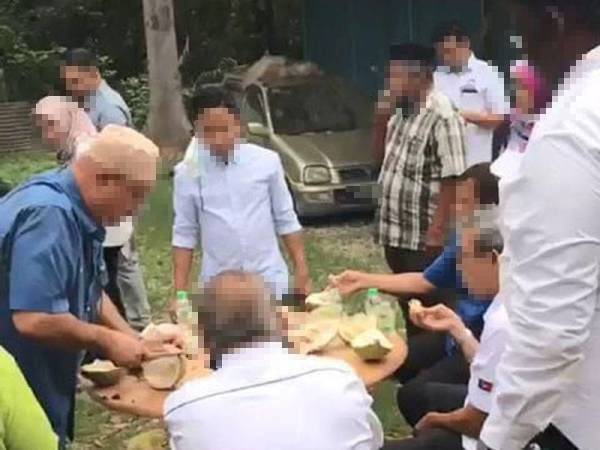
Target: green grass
x=330, y=249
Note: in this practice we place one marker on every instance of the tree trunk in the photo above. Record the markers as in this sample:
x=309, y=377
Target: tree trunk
x=167, y=124
x=270, y=27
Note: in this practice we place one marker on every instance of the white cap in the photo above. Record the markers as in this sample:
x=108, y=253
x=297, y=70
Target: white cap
x=124, y=151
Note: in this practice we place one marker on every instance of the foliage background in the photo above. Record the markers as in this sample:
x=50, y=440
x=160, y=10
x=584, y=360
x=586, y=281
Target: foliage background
x=212, y=35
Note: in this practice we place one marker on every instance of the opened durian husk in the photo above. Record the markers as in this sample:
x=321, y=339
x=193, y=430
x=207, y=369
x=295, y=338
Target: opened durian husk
x=352, y=326
x=165, y=372
x=316, y=336
x=327, y=297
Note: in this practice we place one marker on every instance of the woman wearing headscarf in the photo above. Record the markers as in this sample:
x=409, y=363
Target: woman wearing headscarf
x=531, y=94
x=65, y=127
x=63, y=124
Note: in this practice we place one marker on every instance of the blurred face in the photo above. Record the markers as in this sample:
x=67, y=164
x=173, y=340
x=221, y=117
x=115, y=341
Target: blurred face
x=80, y=81
x=406, y=79
x=465, y=201
x=52, y=132
x=524, y=99
x=478, y=269
x=452, y=52
x=219, y=129
x=114, y=198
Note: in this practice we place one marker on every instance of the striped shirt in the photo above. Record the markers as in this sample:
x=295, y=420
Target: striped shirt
x=421, y=150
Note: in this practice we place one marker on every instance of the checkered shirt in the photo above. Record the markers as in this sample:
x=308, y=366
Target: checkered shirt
x=421, y=150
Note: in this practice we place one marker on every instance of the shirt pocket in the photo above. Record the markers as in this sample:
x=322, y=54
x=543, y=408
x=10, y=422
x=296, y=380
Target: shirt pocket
x=413, y=157
x=472, y=99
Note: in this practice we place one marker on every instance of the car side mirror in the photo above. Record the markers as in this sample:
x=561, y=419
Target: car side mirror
x=258, y=129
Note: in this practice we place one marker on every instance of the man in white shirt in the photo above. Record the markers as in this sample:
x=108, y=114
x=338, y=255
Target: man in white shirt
x=476, y=88
x=548, y=375
x=451, y=415
x=262, y=396
x=231, y=197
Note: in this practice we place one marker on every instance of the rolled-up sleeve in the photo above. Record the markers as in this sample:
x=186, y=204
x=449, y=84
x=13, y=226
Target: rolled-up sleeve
x=186, y=227
x=41, y=264
x=553, y=239
x=286, y=221
x=449, y=134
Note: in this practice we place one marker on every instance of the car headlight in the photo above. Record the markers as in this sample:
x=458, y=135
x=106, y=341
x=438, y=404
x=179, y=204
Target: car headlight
x=317, y=175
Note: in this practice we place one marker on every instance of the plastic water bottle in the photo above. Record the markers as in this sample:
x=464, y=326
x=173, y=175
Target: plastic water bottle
x=185, y=318
x=382, y=308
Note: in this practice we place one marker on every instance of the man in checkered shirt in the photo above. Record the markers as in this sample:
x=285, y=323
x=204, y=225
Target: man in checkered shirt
x=421, y=144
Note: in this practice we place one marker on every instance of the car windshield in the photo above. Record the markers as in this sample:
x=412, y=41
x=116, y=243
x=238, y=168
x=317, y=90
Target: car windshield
x=311, y=108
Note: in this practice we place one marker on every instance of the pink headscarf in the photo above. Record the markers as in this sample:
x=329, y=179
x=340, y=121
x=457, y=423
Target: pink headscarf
x=533, y=81
x=72, y=121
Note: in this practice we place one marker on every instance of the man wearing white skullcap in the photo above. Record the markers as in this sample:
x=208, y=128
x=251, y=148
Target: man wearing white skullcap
x=51, y=234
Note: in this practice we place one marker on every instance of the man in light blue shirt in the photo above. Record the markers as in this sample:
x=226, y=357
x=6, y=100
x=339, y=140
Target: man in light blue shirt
x=105, y=106
x=232, y=197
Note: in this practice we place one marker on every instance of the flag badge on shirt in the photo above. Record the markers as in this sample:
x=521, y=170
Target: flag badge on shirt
x=485, y=385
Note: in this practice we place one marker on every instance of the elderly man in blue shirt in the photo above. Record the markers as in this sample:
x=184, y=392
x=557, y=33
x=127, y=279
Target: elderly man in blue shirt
x=232, y=196
x=51, y=269
x=105, y=106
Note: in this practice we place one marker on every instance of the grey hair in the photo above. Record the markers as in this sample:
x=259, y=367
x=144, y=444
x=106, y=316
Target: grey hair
x=231, y=319
x=485, y=221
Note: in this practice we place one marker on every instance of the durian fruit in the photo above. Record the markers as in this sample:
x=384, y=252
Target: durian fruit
x=316, y=336
x=102, y=373
x=158, y=332
x=352, y=326
x=327, y=312
x=415, y=306
x=327, y=297
x=371, y=345
x=165, y=372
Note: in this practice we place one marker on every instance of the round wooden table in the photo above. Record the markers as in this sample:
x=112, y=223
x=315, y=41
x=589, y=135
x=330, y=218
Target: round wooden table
x=133, y=395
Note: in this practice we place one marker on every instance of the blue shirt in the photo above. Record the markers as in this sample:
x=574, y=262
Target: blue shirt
x=237, y=211
x=50, y=262
x=443, y=273
x=106, y=106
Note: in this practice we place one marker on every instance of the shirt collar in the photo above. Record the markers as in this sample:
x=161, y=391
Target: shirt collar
x=90, y=100
x=470, y=62
x=71, y=188
x=251, y=354
x=234, y=155
x=467, y=68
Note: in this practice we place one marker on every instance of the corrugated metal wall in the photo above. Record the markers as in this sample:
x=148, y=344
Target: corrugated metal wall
x=16, y=128
x=351, y=37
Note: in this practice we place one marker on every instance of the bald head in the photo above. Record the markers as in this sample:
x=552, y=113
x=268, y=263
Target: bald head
x=115, y=171
x=236, y=309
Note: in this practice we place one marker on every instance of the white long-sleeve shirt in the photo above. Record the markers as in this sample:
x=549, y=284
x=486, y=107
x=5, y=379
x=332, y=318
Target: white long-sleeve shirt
x=236, y=211
x=265, y=398
x=550, y=214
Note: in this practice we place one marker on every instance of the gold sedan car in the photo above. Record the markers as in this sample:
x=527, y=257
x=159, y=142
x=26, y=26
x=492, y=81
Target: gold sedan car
x=321, y=127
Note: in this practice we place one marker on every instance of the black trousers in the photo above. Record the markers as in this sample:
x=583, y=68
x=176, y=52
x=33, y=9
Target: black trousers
x=432, y=439
x=403, y=261
x=427, y=367
x=111, y=259
x=425, y=398
x=428, y=361
x=553, y=439
x=415, y=400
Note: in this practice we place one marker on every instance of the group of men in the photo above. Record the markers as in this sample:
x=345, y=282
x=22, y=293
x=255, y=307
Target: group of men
x=527, y=317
